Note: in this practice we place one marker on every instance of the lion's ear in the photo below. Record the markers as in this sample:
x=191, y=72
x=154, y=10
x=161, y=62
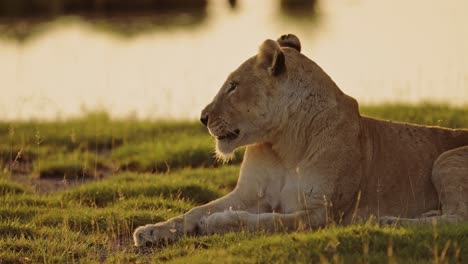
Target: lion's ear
x=290, y=41
x=270, y=57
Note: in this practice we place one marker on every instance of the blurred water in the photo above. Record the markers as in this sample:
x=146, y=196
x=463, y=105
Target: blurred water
x=375, y=50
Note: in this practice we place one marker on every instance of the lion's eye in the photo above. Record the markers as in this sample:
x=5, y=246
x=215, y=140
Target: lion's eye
x=232, y=87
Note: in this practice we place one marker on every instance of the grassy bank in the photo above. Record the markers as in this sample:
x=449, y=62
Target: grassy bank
x=94, y=145
x=75, y=190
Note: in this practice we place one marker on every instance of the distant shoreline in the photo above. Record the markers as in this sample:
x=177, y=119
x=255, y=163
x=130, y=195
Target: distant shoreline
x=436, y=113
x=25, y=8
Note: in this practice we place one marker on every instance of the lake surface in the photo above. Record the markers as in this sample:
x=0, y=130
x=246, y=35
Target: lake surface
x=375, y=50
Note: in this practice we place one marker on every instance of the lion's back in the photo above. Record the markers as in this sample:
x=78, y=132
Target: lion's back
x=398, y=164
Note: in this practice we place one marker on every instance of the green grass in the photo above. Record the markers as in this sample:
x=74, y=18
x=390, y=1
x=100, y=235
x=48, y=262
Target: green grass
x=424, y=114
x=119, y=174
x=96, y=144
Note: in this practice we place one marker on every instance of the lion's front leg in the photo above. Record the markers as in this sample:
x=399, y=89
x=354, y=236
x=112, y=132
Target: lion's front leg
x=236, y=221
x=224, y=222
x=188, y=223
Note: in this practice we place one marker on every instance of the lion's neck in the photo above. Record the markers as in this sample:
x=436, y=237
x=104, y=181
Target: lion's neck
x=306, y=133
x=315, y=110
x=295, y=141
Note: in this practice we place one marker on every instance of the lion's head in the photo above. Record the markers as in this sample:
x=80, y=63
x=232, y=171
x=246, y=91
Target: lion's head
x=259, y=97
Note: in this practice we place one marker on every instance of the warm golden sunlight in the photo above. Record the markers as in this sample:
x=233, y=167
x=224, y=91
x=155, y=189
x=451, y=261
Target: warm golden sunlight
x=377, y=51
x=234, y=131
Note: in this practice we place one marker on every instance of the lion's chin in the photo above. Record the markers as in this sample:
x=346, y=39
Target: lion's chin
x=224, y=150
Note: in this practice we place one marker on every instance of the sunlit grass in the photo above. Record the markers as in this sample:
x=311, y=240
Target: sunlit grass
x=94, y=144
x=423, y=114
x=150, y=171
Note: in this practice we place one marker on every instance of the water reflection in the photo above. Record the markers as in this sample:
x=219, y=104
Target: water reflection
x=375, y=50
x=21, y=22
x=304, y=14
x=120, y=24
x=299, y=8
x=233, y=4
x=53, y=8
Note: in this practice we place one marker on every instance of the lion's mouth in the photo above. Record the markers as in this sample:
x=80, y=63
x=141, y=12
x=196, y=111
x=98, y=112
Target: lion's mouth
x=229, y=136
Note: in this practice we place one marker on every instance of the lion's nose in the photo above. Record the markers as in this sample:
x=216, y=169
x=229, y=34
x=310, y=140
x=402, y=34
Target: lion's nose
x=204, y=120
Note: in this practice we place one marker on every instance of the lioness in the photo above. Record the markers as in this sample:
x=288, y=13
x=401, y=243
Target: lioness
x=312, y=158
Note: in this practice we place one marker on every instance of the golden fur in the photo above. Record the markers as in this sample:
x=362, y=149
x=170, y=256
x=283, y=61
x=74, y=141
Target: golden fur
x=312, y=158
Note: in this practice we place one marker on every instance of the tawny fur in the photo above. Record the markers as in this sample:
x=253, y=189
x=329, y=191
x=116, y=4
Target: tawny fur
x=311, y=158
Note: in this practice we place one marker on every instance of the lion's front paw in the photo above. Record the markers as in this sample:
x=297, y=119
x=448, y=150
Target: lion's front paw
x=158, y=234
